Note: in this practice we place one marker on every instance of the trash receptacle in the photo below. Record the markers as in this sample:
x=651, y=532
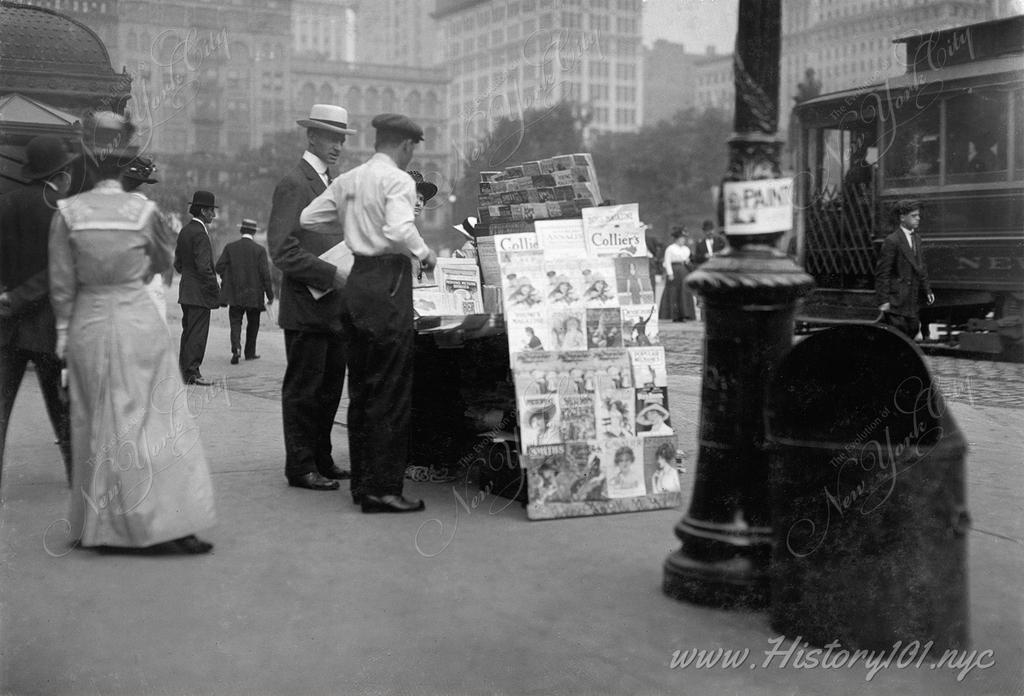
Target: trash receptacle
x=867, y=495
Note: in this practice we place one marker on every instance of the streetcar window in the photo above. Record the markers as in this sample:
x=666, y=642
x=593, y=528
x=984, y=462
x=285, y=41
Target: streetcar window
x=847, y=158
x=976, y=129
x=912, y=155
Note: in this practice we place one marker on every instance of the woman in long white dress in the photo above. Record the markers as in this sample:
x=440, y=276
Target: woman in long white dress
x=140, y=478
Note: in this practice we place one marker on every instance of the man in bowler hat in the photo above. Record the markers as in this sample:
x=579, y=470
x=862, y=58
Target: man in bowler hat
x=901, y=278
x=198, y=292
x=376, y=203
x=245, y=278
x=314, y=349
x=28, y=330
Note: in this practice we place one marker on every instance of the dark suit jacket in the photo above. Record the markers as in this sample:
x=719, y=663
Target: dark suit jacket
x=295, y=251
x=901, y=278
x=193, y=259
x=25, y=217
x=245, y=275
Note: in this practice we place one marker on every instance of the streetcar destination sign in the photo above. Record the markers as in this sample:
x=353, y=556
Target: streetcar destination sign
x=758, y=207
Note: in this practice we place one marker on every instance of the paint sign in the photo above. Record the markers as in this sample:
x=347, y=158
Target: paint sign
x=758, y=207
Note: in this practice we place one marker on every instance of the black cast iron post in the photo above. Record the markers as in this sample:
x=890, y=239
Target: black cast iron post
x=750, y=293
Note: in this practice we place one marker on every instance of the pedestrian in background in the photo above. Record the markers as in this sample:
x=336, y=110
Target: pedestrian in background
x=901, y=278
x=677, y=303
x=245, y=278
x=375, y=202
x=198, y=291
x=27, y=326
x=140, y=172
x=129, y=492
x=314, y=348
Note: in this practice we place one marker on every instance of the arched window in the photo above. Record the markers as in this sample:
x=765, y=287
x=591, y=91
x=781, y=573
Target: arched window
x=326, y=94
x=354, y=100
x=431, y=105
x=413, y=103
x=387, y=100
x=307, y=96
x=372, y=100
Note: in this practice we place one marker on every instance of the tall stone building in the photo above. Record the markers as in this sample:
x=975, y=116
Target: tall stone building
x=669, y=80
x=507, y=56
x=398, y=32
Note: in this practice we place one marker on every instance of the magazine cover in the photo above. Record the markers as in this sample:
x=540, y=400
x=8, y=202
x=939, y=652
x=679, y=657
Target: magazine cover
x=649, y=366
x=652, y=414
x=578, y=417
x=564, y=287
x=523, y=281
x=633, y=282
x=548, y=474
x=661, y=472
x=566, y=327
x=460, y=286
x=527, y=330
x=604, y=328
x=539, y=421
x=639, y=325
x=585, y=475
x=610, y=369
x=616, y=416
x=535, y=374
x=598, y=278
x=623, y=462
x=427, y=301
x=579, y=370
x=614, y=230
x=561, y=239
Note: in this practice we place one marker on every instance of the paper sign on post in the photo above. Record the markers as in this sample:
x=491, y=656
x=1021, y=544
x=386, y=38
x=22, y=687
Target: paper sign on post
x=758, y=207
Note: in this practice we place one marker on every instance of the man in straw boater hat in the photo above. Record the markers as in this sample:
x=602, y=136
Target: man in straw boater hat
x=245, y=279
x=198, y=291
x=376, y=201
x=314, y=348
x=27, y=326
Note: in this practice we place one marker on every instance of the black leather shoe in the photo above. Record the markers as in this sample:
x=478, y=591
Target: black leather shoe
x=199, y=382
x=252, y=357
x=313, y=481
x=391, y=503
x=234, y=358
x=336, y=473
x=192, y=545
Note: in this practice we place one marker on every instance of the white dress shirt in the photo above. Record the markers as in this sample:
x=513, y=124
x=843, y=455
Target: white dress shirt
x=909, y=234
x=318, y=166
x=675, y=253
x=373, y=203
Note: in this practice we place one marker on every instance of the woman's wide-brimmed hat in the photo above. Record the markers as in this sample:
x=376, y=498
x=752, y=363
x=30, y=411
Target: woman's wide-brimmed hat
x=327, y=117
x=141, y=169
x=46, y=155
x=203, y=199
x=423, y=187
x=645, y=415
x=546, y=410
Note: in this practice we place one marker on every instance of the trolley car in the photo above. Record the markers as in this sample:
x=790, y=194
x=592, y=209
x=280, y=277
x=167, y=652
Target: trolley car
x=948, y=133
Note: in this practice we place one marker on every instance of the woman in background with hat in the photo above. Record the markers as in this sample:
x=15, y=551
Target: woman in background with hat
x=140, y=478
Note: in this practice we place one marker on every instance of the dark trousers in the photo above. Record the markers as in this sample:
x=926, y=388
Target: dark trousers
x=677, y=302
x=310, y=394
x=908, y=325
x=379, y=338
x=252, y=328
x=13, y=362
x=195, y=328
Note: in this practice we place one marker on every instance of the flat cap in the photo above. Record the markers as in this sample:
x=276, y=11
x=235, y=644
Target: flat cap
x=400, y=124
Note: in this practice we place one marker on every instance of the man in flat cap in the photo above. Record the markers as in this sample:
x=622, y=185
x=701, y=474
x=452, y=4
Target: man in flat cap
x=375, y=202
x=245, y=278
x=28, y=330
x=314, y=349
x=198, y=291
x=901, y=279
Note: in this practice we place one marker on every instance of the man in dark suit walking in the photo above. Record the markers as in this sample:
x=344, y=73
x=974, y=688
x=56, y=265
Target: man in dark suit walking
x=901, y=278
x=314, y=349
x=198, y=292
x=245, y=278
x=28, y=330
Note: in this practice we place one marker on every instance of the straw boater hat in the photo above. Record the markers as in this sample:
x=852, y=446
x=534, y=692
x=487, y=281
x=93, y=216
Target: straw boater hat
x=327, y=117
x=644, y=417
x=423, y=187
x=467, y=227
x=547, y=411
x=248, y=226
x=46, y=155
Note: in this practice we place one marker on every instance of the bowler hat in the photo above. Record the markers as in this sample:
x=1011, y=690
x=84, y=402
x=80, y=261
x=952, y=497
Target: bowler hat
x=423, y=187
x=203, y=199
x=248, y=226
x=399, y=124
x=327, y=117
x=45, y=154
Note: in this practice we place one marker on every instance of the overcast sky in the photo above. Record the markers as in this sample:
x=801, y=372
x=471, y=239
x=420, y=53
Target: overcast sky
x=694, y=23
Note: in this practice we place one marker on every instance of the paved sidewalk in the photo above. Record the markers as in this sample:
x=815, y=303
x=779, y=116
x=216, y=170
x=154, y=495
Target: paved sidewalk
x=305, y=595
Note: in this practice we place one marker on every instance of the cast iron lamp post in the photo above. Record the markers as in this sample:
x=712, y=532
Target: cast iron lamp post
x=750, y=292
